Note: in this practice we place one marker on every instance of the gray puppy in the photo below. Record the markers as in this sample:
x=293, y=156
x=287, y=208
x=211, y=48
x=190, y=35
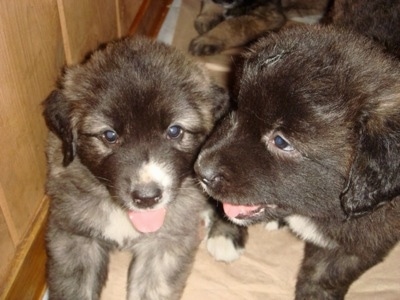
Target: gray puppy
x=315, y=140
x=126, y=126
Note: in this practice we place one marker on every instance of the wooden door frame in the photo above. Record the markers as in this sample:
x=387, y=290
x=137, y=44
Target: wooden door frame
x=150, y=17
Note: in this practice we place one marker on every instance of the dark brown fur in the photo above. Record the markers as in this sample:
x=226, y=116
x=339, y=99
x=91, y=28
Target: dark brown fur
x=315, y=141
x=379, y=20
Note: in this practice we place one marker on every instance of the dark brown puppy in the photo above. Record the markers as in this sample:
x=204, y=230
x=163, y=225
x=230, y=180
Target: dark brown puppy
x=317, y=127
x=377, y=19
x=225, y=24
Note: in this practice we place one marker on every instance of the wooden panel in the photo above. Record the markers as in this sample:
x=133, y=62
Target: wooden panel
x=150, y=17
x=128, y=9
x=85, y=25
x=7, y=248
x=30, y=58
x=36, y=39
x=26, y=279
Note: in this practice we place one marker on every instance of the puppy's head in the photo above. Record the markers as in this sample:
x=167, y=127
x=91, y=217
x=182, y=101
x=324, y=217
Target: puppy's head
x=316, y=130
x=135, y=114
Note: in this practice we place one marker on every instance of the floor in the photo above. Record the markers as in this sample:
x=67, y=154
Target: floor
x=218, y=65
x=167, y=31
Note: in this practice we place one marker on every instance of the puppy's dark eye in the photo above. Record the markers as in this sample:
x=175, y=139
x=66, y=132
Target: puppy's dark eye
x=282, y=144
x=110, y=136
x=174, y=132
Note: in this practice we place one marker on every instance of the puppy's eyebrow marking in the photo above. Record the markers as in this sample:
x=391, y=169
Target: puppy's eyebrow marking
x=253, y=113
x=233, y=121
x=274, y=58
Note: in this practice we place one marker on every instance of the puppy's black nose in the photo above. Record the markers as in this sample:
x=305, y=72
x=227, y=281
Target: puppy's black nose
x=146, y=196
x=212, y=181
x=209, y=175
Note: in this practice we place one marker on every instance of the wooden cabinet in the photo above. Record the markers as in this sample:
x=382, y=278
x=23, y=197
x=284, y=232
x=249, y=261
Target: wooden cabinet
x=36, y=39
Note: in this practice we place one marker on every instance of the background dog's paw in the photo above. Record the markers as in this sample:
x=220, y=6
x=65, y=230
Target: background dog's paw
x=225, y=240
x=271, y=226
x=274, y=225
x=204, y=23
x=223, y=248
x=204, y=45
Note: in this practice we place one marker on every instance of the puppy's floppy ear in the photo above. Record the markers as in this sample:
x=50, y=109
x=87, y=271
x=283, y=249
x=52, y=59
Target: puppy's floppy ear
x=56, y=114
x=220, y=100
x=375, y=172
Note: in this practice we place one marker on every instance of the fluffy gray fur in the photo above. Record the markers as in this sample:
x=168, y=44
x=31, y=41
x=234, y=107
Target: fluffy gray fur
x=126, y=126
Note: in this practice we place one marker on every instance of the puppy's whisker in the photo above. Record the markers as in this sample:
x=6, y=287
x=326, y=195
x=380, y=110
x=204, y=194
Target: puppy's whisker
x=185, y=174
x=103, y=179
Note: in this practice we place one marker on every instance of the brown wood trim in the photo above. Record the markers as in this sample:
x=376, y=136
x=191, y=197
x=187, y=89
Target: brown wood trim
x=64, y=32
x=7, y=217
x=26, y=279
x=150, y=17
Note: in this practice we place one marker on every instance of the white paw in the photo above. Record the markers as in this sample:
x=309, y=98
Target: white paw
x=223, y=249
x=272, y=225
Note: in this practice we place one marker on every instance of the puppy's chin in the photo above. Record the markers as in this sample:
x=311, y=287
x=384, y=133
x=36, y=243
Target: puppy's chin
x=246, y=215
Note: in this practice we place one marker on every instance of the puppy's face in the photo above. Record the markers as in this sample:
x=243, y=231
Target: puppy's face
x=135, y=114
x=304, y=137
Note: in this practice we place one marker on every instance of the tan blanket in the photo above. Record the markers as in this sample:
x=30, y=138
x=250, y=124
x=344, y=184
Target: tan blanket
x=266, y=270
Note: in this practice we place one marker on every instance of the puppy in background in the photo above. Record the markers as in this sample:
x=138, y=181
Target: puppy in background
x=225, y=24
x=383, y=27
x=317, y=131
x=126, y=126
x=378, y=20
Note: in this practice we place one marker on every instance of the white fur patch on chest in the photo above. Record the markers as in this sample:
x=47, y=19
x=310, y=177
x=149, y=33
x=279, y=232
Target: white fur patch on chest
x=120, y=229
x=306, y=229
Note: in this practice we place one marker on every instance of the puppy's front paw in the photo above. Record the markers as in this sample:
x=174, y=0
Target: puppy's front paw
x=204, y=23
x=274, y=225
x=205, y=45
x=223, y=248
x=271, y=226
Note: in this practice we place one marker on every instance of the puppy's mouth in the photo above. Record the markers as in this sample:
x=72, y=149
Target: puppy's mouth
x=244, y=212
x=147, y=221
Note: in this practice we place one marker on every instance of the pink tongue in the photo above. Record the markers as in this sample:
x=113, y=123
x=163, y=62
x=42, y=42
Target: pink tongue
x=147, y=221
x=235, y=210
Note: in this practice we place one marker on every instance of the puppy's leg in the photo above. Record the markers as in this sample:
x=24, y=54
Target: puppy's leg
x=225, y=240
x=275, y=225
x=76, y=267
x=235, y=32
x=161, y=265
x=328, y=273
x=210, y=15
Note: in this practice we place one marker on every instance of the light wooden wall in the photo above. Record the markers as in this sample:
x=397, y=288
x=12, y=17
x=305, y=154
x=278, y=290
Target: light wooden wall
x=37, y=37
x=31, y=55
